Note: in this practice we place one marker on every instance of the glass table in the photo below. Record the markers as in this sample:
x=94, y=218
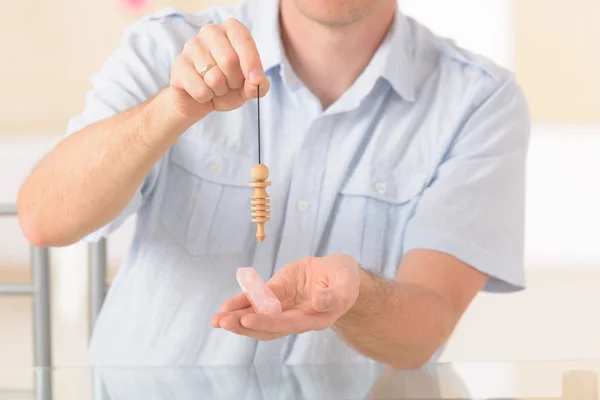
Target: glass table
x=560, y=380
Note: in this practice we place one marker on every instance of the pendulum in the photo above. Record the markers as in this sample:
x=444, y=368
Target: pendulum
x=260, y=198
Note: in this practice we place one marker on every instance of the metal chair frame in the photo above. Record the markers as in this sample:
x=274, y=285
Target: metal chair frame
x=39, y=289
x=97, y=283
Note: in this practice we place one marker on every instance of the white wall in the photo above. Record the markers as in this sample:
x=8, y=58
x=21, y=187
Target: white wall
x=563, y=197
x=485, y=27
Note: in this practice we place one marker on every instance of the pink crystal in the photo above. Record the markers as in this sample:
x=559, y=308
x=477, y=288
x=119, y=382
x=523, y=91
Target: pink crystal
x=260, y=296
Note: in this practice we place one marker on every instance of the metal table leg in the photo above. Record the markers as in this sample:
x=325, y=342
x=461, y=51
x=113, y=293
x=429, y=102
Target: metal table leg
x=97, y=253
x=42, y=336
x=39, y=289
x=43, y=384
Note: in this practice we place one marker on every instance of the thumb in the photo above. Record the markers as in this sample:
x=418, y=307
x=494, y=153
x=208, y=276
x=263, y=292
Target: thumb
x=334, y=285
x=251, y=90
x=322, y=298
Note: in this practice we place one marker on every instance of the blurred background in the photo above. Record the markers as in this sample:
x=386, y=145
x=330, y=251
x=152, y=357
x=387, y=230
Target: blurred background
x=50, y=47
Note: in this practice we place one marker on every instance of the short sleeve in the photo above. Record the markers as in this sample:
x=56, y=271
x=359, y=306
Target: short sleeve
x=474, y=207
x=134, y=72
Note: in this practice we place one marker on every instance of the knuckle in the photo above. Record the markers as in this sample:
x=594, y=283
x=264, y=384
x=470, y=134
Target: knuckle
x=214, y=80
x=236, y=83
x=178, y=62
x=230, y=59
x=199, y=94
x=208, y=29
x=247, y=41
x=233, y=23
x=190, y=45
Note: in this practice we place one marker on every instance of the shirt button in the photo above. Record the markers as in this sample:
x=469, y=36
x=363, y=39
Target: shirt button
x=381, y=187
x=303, y=205
x=215, y=167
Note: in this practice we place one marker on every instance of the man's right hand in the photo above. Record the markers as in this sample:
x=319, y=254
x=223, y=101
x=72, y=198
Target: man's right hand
x=113, y=156
x=233, y=80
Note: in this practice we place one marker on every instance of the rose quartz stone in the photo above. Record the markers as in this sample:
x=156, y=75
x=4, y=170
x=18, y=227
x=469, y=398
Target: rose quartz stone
x=260, y=296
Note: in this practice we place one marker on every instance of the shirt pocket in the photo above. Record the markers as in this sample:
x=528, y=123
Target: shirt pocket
x=206, y=205
x=374, y=206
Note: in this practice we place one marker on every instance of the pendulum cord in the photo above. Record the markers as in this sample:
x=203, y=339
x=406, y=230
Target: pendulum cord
x=260, y=198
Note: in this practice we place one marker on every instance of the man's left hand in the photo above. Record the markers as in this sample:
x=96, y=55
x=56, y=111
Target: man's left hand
x=314, y=293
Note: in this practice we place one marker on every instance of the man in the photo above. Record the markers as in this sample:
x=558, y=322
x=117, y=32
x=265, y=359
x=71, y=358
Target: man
x=397, y=168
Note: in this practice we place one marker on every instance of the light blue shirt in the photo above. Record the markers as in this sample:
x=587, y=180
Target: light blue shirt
x=426, y=150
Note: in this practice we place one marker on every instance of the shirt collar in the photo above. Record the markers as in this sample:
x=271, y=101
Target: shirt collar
x=398, y=60
x=396, y=50
x=267, y=34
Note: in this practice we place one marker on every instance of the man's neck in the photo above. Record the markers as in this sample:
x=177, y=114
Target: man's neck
x=328, y=59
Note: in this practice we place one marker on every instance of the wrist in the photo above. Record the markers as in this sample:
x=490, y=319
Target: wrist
x=157, y=125
x=178, y=110
x=361, y=307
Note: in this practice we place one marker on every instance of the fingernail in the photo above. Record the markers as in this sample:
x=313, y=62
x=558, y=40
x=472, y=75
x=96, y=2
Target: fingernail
x=323, y=302
x=256, y=76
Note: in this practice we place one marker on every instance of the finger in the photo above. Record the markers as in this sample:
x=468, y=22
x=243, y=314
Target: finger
x=284, y=285
x=250, y=91
x=231, y=322
x=198, y=52
x=289, y=322
x=237, y=302
x=256, y=335
x=278, y=288
x=214, y=321
x=219, y=46
x=245, y=47
x=215, y=79
x=186, y=77
x=321, y=299
x=228, y=317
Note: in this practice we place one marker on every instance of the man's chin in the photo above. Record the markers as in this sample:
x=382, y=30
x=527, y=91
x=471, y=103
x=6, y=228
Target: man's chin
x=336, y=12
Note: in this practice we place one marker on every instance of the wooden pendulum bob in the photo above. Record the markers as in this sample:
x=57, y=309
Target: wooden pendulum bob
x=260, y=199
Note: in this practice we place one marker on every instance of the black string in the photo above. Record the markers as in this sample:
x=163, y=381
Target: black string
x=258, y=111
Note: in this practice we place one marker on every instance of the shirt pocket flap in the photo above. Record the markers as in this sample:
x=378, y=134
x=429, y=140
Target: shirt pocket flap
x=384, y=185
x=214, y=165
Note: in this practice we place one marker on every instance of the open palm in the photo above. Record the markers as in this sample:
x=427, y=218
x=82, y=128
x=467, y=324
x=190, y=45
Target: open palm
x=314, y=293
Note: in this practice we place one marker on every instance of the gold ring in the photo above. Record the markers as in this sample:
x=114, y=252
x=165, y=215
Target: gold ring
x=206, y=69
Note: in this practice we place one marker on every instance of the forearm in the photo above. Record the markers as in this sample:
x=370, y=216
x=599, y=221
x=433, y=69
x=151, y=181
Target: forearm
x=398, y=324
x=91, y=176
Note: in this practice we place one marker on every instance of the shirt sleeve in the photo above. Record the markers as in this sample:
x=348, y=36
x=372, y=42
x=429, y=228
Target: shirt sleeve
x=474, y=207
x=135, y=71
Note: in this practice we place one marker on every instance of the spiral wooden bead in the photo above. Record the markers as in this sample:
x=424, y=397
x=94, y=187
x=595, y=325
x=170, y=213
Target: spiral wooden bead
x=260, y=199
